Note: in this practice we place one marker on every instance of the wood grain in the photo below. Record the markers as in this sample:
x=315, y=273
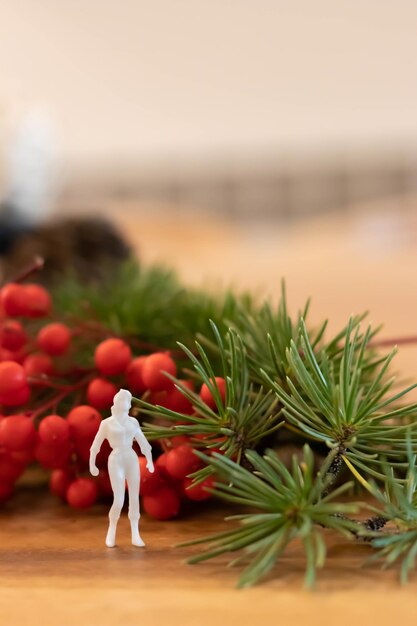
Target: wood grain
x=55, y=569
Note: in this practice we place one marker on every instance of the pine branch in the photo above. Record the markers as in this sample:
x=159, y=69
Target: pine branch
x=247, y=416
x=399, y=507
x=274, y=327
x=342, y=406
x=290, y=505
x=150, y=306
x=274, y=322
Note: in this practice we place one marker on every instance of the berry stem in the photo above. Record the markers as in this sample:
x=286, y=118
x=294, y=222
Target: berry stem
x=47, y=405
x=46, y=382
x=93, y=327
x=394, y=341
x=36, y=265
x=65, y=390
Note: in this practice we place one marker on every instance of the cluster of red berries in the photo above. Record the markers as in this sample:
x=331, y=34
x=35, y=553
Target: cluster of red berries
x=163, y=491
x=39, y=375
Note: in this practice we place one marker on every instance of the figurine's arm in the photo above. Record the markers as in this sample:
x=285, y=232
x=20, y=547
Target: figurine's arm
x=95, y=448
x=145, y=448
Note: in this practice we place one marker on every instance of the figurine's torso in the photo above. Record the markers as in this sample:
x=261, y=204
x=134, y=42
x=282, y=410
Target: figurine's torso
x=120, y=433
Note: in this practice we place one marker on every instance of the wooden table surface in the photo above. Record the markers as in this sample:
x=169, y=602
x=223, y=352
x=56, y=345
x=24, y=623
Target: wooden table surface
x=54, y=567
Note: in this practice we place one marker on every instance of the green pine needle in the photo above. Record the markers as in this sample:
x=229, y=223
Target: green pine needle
x=338, y=404
x=399, y=506
x=291, y=505
x=248, y=415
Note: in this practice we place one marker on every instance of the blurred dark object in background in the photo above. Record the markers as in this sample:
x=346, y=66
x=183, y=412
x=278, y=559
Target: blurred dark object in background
x=84, y=247
x=88, y=248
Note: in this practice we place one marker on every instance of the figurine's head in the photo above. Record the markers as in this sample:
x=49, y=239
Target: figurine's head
x=122, y=402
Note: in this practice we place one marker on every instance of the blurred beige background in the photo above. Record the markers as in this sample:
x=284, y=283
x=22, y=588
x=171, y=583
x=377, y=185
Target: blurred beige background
x=138, y=90
x=238, y=141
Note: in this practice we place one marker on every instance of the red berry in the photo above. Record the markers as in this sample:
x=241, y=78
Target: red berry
x=134, y=375
x=100, y=393
x=104, y=484
x=17, y=432
x=23, y=456
x=53, y=457
x=37, y=301
x=198, y=492
x=10, y=468
x=59, y=482
x=153, y=371
x=12, y=378
x=6, y=491
x=161, y=464
x=9, y=355
x=163, y=504
x=174, y=400
x=12, y=335
x=12, y=299
x=112, y=357
x=84, y=422
x=54, y=430
x=182, y=461
x=82, y=493
x=54, y=338
x=82, y=449
x=149, y=483
x=17, y=399
x=178, y=441
x=37, y=365
x=206, y=395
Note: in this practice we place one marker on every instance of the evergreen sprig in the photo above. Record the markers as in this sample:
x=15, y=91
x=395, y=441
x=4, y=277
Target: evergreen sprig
x=273, y=326
x=248, y=414
x=399, y=507
x=340, y=406
x=276, y=323
x=150, y=305
x=290, y=505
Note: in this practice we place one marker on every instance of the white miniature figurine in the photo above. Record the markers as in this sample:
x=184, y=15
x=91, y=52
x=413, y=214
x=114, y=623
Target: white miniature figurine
x=120, y=430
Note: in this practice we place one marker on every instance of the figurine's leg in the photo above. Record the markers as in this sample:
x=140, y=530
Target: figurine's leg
x=117, y=479
x=132, y=477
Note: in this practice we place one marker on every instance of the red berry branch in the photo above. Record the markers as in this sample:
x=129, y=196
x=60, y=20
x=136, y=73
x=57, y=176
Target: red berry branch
x=52, y=402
